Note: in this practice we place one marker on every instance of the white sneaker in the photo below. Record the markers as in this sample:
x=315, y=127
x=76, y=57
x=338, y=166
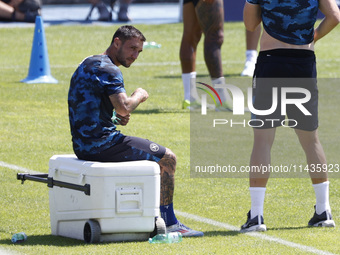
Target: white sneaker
x=249, y=69
x=184, y=230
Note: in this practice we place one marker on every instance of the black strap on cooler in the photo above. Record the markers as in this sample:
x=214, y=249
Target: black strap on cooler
x=50, y=182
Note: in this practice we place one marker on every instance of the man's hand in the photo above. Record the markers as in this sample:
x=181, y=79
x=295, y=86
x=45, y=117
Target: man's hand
x=143, y=94
x=122, y=120
x=124, y=105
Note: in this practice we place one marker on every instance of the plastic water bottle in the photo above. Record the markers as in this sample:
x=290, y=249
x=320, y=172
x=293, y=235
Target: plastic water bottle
x=115, y=119
x=151, y=45
x=173, y=237
x=19, y=237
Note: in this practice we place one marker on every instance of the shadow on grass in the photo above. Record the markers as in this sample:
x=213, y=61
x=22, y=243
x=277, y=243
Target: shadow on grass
x=221, y=233
x=236, y=232
x=158, y=111
x=58, y=241
x=46, y=240
x=287, y=228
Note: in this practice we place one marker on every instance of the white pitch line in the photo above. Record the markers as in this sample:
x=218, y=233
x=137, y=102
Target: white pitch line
x=7, y=252
x=18, y=168
x=166, y=63
x=253, y=234
x=208, y=221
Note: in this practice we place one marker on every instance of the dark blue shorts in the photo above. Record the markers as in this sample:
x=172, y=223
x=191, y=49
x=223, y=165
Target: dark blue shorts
x=285, y=69
x=130, y=148
x=195, y=2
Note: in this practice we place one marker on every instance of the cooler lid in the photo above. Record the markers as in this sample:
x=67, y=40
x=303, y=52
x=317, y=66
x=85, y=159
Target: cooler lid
x=70, y=163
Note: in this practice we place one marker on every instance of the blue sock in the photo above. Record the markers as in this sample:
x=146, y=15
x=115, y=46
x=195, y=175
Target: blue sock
x=168, y=214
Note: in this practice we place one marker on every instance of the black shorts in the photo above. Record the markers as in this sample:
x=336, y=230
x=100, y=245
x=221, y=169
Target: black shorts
x=286, y=70
x=129, y=148
x=195, y=2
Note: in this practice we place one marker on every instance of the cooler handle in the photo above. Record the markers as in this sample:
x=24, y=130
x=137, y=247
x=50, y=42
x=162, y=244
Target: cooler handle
x=50, y=182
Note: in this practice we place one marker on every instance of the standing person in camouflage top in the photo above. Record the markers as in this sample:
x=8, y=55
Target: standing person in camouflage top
x=287, y=51
x=97, y=89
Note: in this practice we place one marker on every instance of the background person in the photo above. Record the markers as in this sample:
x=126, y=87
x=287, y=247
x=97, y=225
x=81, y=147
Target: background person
x=207, y=17
x=123, y=10
x=105, y=14
x=96, y=90
x=19, y=10
x=287, y=51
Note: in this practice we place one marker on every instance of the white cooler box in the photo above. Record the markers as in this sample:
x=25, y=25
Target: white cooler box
x=123, y=202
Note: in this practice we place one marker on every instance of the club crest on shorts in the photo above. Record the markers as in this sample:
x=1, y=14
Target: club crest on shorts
x=154, y=147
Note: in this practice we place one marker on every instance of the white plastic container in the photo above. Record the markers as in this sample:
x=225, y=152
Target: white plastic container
x=122, y=205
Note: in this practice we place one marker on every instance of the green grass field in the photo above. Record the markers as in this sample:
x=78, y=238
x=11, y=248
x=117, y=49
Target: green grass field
x=34, y=126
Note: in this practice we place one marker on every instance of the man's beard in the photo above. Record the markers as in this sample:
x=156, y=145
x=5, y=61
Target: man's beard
x=121, y=59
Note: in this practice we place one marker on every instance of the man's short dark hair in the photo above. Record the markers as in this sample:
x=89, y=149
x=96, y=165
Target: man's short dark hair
x=127, y=32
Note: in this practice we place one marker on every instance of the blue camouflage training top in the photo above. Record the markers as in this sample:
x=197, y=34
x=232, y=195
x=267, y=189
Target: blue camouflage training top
x=90, y=108
x=290, y=21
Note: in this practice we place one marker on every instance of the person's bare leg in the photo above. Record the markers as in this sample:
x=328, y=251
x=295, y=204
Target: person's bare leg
x=315, y=154
x=258, y=177
x=210, y=16
x=317, y=163
x=191, y=36
x=211, y=19
x=168, y=167
x=6, y=12
x=261, y=156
